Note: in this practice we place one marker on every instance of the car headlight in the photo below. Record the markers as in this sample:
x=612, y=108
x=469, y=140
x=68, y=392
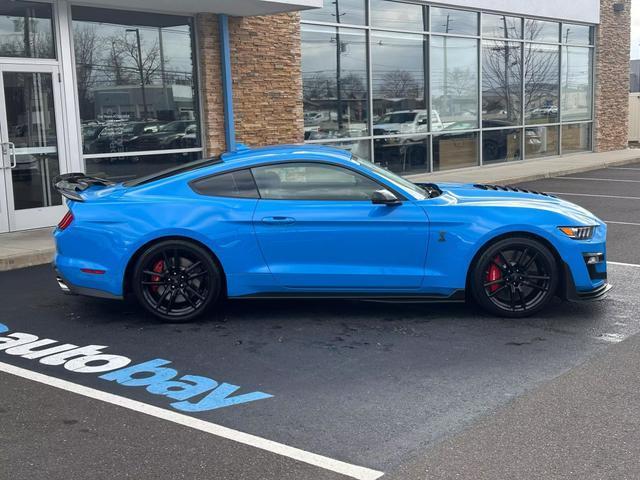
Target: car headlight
x=578, y=233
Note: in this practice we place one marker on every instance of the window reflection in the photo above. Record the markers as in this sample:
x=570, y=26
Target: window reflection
x=26, y=30
x=398, y=84
x=455, y=150
x=501, y=145
x=123, y=168
x=404, y=155
x=135, y=80
x=458, y=22
x=398, y=15
x=576, y=34
x=576, y=138
x=502, y=82
x=501, y=26
x=334, y=77
x=525, y=86
x=576, y=83
x=542, y=85
x=454, y=81
x=541, y=141
x=541, y=31
x=338, y=11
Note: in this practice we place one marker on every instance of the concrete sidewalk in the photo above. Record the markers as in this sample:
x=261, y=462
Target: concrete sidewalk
x=26, y=249
x=35, y=247
x=535, y=169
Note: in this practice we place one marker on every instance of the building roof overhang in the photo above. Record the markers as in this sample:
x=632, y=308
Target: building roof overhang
x=238, y=8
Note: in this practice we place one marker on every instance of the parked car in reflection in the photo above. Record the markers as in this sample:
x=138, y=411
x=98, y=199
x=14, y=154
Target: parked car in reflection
x=168, y=136
x=407, y=121
x=115, y=137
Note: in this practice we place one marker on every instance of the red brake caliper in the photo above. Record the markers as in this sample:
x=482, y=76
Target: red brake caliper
x=494, y=274
x=158, y=267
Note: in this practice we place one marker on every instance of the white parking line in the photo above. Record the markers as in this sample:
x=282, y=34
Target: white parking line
x=623, y=168
x=622, y=223
x=594, y=195
x=597, y=179
x=320, y=461
x=624, y=264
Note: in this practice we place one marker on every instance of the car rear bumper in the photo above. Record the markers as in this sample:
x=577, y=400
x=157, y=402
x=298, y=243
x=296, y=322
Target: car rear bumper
x=70, y=289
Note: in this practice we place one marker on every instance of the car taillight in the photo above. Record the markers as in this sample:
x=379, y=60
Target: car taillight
x=66, y=220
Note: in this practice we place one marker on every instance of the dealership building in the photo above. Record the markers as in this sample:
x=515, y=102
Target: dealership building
x=123, y=88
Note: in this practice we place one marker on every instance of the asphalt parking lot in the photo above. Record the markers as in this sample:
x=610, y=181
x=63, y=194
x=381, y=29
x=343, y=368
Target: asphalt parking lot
x=373, y=385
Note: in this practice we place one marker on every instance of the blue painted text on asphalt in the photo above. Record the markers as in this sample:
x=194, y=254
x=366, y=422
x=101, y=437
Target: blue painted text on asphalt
x=191, y=392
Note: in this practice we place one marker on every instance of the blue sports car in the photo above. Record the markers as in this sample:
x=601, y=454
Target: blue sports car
x=304, y=221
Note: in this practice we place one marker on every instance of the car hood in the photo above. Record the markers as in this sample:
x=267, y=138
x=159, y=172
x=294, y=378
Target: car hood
x=497, y=196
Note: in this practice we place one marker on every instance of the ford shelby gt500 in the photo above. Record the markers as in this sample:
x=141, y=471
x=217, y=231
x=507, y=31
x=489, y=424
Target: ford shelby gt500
x=303, y=221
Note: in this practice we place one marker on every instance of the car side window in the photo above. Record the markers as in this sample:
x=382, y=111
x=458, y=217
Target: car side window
x=312, y=181
x=238, y=184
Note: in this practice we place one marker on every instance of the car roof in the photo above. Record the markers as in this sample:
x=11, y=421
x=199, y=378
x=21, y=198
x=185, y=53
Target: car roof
x=252, y=156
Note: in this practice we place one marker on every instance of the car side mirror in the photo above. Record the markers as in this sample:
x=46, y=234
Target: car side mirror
x=385, y=197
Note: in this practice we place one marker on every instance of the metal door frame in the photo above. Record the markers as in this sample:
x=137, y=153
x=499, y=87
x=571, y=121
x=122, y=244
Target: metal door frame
x=10, y=219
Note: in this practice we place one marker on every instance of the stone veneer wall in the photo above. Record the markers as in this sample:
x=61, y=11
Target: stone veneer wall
x=267, y=80
x=612, y=77
x=210, y=72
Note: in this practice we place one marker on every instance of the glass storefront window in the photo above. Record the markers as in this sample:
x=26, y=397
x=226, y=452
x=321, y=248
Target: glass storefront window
x=360, y=148
x=456, y=22
x=501, y=145
x=123, y=168
x=455, y=150
x=502, y=82
x=335, y=82
x=399, y=104
x=541, y=31
x=501, y=26
x=403, y=155
x=352, y=12
x=577, y=34
x=26, y=30
x=454, y=82
x=136, y=82
x=576, y=83
x=425, y=88
x=542, y=85
x=576, y=138
x=396, y=15
x=541, y=141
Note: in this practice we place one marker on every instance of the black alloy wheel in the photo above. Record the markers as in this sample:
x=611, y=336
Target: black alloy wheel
x=515, y=277
x=176, y=280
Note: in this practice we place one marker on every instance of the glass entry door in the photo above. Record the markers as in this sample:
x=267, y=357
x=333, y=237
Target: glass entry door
x=31, y=148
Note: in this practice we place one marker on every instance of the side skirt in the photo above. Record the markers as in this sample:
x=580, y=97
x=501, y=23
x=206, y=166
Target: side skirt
x=456, y=297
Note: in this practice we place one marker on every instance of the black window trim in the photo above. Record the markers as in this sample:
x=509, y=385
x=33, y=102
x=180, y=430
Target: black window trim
x=393, y=190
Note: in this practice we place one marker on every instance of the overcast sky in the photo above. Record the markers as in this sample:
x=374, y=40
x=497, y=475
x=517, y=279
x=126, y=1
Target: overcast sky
x=635, y=29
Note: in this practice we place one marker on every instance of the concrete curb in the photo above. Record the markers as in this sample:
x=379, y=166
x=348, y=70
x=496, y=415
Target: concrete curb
x=27, y=259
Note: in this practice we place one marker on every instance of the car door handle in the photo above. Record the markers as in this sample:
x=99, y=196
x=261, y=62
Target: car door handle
x=279, y=220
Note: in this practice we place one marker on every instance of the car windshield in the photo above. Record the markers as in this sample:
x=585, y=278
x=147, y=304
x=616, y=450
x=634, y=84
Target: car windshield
x=405, y=117
x=396, y=180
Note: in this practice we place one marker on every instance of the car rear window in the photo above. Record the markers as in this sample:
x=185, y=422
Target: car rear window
x=238, y=184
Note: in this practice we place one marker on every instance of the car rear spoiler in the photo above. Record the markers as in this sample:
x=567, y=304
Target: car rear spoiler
x=70, y=185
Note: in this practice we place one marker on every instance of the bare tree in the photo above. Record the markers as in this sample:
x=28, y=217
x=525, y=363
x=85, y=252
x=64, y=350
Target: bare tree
x=126, y=50
x=400, y=84
x=85, y=40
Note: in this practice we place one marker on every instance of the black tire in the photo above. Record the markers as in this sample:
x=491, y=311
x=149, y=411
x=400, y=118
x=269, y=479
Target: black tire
x=176, y=280
x=515, y=277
